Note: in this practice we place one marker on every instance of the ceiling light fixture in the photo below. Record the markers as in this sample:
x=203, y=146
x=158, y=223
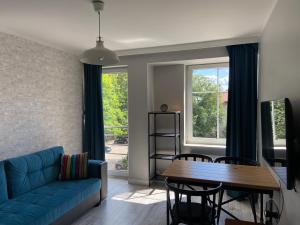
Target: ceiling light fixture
x=99, y=55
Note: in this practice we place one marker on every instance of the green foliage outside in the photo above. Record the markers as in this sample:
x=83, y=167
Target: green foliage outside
x=205, y=111
x=279, y=119
x=124, y=162
x=115, y=97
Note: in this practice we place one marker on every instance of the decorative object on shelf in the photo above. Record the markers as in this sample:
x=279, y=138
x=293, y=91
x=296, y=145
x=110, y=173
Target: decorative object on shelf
x=164, y=107
x=99, y=55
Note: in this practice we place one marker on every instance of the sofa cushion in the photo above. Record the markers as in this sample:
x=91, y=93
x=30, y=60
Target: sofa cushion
x=28, y=172
x=46, y=204
x=3, y=184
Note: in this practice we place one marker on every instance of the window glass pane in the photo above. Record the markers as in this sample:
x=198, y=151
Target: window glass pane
x=279, y=120
x=115, y=96
x=205, y=80
x=209, y=102
x=223, y=102
x=223, y=78
x=205, y=115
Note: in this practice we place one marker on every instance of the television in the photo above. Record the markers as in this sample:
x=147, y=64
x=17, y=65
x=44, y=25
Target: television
x=278, y=139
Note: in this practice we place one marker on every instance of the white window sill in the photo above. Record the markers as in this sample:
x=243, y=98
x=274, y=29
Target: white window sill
x=212, y=150
x=205, y=145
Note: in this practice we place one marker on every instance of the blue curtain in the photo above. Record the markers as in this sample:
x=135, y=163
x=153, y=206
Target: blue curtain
x=242, y=101
x=93, y=124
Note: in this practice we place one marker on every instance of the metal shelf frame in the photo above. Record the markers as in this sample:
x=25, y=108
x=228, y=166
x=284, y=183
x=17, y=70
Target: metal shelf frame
x=155, y=155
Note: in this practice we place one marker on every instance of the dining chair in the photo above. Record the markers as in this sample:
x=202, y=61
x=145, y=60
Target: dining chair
x=252, y=197
x=193, y=157
x=195, y=208
x=236, y=161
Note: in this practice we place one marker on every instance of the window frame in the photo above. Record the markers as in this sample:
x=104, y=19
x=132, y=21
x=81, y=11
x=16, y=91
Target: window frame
x=189, y=139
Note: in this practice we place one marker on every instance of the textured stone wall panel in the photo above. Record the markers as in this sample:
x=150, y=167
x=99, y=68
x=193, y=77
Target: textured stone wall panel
x=40, y=98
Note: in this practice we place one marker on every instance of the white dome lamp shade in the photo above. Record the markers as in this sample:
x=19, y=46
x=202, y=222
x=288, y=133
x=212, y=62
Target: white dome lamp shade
x=99, y=55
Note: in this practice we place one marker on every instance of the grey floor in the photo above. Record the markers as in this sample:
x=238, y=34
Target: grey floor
x=140, y=205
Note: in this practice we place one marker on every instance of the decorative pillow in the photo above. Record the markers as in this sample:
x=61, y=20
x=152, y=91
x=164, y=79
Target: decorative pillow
x=74, y=167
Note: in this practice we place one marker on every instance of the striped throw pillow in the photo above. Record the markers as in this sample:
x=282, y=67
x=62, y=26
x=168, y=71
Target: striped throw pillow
x=74, y=167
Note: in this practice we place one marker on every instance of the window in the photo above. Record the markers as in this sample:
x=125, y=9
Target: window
x=206, y=104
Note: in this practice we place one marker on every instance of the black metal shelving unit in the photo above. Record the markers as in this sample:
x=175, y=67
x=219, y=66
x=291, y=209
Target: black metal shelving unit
x=154, y=155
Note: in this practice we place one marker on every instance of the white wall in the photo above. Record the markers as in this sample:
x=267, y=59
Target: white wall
x=168, y=88
x=40, y=98
x=150, y=87
x=280, y=76
x=138, y=98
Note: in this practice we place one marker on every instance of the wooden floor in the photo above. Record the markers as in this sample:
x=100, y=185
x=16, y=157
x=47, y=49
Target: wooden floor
x=139, y=205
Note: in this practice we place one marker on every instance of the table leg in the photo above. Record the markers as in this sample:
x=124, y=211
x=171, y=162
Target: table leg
x=261, y=208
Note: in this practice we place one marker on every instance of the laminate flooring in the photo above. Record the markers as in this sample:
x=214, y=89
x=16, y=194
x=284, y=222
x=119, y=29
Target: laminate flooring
x=128, y=204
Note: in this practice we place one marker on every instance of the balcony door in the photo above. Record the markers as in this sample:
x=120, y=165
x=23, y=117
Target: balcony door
x=115, y=104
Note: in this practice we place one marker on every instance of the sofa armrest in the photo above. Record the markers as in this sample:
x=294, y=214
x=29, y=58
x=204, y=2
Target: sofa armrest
x=98, y=169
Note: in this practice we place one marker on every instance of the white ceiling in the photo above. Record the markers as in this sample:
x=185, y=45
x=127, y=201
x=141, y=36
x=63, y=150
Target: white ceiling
x=71, y=25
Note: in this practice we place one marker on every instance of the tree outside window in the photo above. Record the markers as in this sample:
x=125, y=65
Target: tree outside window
x=209, y=101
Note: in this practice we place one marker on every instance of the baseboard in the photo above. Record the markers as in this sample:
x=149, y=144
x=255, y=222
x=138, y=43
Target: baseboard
x=119, y=173
x=138, y=181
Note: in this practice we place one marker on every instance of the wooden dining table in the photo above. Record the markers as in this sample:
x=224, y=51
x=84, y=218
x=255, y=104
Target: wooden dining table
x=233, y=177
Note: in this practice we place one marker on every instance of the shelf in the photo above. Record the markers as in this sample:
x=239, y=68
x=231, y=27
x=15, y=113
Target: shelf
x=164, y=135
x=170, y=132
x=162, y=156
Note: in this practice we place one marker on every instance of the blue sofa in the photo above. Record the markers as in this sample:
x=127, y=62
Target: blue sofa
x=31, y=194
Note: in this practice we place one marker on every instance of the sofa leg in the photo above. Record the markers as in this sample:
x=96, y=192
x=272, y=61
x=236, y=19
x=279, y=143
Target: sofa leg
x=98, y=204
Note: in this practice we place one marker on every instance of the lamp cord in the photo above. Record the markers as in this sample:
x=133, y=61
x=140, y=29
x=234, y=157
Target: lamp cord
x=99, y=25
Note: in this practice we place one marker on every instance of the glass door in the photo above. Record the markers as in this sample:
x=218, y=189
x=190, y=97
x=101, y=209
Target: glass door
x=115, y=99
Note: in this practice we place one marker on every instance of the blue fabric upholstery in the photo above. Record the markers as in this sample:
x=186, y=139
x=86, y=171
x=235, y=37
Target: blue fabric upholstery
x=28, y=172
x=3, y=184
x=45, y=204
x=94, y=168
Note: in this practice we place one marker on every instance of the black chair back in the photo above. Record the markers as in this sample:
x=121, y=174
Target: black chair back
x=236, y=161
x=194, y=157
x=185, y=210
